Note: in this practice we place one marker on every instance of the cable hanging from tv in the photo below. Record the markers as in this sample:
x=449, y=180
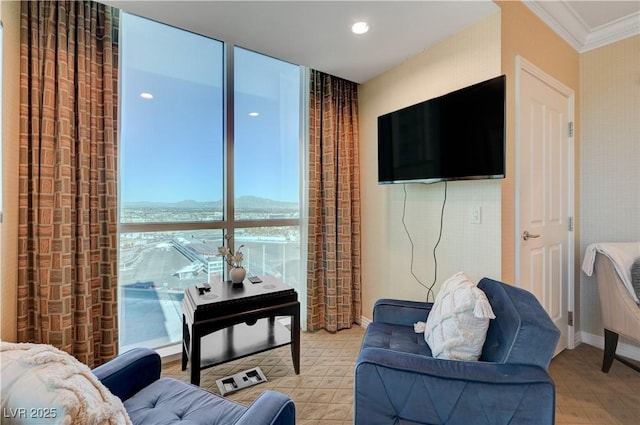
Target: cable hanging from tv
x=429, y=288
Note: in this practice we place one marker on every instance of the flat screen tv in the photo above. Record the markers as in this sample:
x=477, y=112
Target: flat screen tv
x=457, y=136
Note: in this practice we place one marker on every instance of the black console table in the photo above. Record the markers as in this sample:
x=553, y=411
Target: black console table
x=229, y=322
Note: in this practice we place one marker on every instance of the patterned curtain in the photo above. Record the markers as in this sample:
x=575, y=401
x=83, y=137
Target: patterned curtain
x=333, y=277
x=67, y=264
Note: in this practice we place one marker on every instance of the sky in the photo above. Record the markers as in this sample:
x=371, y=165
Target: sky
x=171, y=146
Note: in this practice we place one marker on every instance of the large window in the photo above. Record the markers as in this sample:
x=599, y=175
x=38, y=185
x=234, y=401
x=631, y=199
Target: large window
x=171, y=166
x=266, y=137
x=209, y=146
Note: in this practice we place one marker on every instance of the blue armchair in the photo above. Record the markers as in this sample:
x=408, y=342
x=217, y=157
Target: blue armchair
x=135, y=378
x=397, y=381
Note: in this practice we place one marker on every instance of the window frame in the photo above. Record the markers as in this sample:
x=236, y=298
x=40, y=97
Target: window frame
x=229, y=224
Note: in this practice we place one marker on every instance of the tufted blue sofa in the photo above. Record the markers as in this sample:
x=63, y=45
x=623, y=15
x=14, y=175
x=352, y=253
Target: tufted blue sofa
x=397, y=381
x=135, y=378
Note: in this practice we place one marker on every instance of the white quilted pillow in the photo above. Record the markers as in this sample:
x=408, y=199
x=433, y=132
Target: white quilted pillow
x=457, y=325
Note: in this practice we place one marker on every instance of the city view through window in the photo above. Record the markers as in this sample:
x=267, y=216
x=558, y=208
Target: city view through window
x=177, y=163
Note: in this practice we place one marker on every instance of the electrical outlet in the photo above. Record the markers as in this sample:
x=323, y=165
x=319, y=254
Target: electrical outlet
x=475, y=216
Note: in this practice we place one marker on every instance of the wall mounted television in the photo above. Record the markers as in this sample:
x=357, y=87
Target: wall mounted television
x=457, y=136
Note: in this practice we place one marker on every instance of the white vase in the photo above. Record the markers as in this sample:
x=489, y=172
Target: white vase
x=237, y=274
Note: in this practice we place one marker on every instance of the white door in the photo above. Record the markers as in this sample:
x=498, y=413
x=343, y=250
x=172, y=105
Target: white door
x=544, y=193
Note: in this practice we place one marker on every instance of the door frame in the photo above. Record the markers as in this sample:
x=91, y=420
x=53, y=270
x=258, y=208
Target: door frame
x=523, y=65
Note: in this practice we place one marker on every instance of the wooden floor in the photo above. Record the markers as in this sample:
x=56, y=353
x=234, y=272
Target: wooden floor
x=323, y=392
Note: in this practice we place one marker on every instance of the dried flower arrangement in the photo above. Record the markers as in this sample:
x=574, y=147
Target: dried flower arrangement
x=226, y=252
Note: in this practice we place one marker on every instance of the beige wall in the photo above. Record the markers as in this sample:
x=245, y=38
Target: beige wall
x=457, y=61
x=524, y=34
x=470, y=56
x=10, y=17
x=610, y=153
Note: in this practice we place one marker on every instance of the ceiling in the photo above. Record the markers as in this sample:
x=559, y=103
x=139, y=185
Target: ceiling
x=318, y=34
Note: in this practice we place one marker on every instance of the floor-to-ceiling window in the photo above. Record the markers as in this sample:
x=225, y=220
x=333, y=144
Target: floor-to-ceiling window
x=210, y=146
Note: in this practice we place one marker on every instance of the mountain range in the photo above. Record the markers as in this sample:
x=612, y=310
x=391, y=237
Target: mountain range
x=242, y=203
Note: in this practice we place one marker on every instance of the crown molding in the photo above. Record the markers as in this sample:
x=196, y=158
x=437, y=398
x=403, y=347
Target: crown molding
x=563, y=20
x=620, y=29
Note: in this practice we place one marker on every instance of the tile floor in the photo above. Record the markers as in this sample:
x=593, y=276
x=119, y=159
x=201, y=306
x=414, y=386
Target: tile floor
x=323, y=392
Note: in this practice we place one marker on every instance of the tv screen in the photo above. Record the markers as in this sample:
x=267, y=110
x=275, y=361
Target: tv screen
x=457, y=136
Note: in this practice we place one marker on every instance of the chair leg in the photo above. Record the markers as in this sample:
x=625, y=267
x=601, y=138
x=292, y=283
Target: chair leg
x=610, y=345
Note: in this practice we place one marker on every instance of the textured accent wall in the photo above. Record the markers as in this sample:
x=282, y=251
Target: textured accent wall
x=468, y=57
x=610, y=157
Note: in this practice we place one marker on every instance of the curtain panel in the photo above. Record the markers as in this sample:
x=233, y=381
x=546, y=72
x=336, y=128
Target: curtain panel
x=333, y=269
x=67, y=254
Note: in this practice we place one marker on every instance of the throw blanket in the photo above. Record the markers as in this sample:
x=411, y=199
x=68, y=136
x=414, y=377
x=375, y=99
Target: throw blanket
x=621, y=254
x=42, y=384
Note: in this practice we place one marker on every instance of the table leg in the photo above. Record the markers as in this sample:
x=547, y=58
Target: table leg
x=295, y=340
x=185, y=342
x=195, y=355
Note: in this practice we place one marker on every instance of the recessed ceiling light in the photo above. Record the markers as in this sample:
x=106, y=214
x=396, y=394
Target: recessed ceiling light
x=146, y=95
x=360, y=27
x=253, y=114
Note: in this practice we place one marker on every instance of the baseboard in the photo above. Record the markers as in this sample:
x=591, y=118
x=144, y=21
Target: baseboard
x=364, y=322
x=624, y=349
x=170, y=354
x=577, y=339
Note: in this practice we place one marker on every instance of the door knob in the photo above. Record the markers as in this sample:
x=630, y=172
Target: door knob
x=526, y=235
